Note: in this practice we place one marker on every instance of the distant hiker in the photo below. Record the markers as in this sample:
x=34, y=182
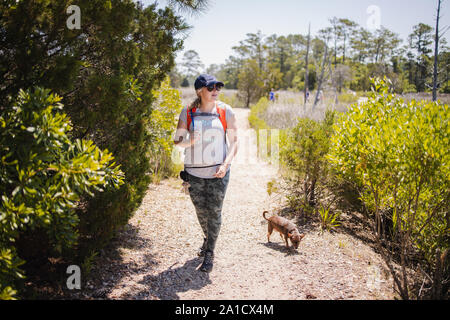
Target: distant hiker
x=307, y=95
x=320, y=96
x=207, y=158
x=272, y=95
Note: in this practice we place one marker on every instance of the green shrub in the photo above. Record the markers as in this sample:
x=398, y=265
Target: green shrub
x=272, y=136
x=303, y=154
x=162, y=124
x=43, y=173
x=257, y=122
x=257, y=112
x=229, y=98
x=399, y=153
x=250, y=85
x=106, y=85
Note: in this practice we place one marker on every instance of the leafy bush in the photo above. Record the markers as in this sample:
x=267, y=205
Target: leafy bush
x=303, y=146
x=303, y=154
x=43, y=173
x=257, y=122
x=257, y=114
x=229, y=97
x=251, y=83
x=399, y=153
x=106, y=84
x=271, y=137
x=162, y=124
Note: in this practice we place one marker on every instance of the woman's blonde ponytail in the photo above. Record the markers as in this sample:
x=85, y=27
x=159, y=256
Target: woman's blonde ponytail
x=197, y=102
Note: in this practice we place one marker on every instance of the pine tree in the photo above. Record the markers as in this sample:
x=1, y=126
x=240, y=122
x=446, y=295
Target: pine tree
x=105, y=72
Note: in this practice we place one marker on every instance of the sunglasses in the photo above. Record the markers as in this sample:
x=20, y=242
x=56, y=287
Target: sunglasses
x=218, y=87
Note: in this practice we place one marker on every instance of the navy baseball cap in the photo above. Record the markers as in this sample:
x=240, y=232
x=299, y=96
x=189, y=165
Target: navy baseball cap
x=206, y=80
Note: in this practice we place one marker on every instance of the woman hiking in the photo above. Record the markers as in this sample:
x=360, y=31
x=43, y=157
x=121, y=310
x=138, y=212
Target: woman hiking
x=210, y=124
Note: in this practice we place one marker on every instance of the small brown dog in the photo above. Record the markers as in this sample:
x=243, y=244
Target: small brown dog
x=285, y=228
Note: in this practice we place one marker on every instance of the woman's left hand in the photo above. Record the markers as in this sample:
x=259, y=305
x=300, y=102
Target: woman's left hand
x=221, y=172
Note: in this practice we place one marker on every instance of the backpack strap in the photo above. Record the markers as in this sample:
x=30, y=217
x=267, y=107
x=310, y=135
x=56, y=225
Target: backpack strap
x=220, y=111
x=222, y=117
x=190, y=117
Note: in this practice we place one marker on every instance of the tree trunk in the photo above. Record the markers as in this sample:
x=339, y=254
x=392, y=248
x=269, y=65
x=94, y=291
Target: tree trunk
x=335, y=53
x=307, y=61
x=322, y=73
x=343, y=57
x=436, y=53
x=336, y=100
x=312, y=194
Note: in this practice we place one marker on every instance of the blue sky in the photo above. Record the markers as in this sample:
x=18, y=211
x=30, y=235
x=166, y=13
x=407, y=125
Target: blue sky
x=227, y=22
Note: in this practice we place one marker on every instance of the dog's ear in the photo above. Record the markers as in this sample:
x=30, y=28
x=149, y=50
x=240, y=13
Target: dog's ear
x=302, y=236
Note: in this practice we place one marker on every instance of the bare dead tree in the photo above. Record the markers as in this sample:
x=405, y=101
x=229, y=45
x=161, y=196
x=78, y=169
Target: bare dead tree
x=335, y=23
x=325, y=34
x=322, y=76
x=306, y=63
x=336, y=100
x=437, y=38
x=436, y=52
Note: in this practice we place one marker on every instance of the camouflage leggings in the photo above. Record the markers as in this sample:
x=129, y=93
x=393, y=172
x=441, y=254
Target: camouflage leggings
x=207, y=196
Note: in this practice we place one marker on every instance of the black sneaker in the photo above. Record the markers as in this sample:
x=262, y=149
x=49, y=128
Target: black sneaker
x=201, y=251
x=207, y=264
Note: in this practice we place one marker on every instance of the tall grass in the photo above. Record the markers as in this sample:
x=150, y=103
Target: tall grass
x=443, y=97
x=289, y=106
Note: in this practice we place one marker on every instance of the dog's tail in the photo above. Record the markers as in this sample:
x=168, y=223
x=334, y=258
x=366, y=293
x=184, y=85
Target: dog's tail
x=264, y=215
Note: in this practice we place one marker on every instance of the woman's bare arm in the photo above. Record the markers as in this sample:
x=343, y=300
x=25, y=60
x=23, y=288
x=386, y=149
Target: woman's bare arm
x=181, y=136
x=232, y=133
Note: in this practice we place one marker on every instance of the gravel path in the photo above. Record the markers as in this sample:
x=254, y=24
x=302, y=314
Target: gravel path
x=155, y=256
